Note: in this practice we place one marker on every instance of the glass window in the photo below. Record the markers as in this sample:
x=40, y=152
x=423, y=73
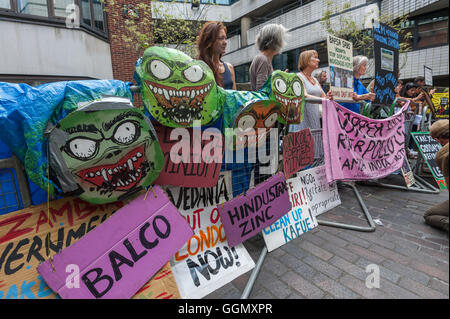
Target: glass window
x=5, y=4
x=86, y=12
x=35, y=7
x=98, y=15
x=432, y=31
x=60, y=7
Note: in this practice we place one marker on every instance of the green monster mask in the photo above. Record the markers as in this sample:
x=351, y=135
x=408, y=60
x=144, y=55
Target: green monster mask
x=110, y=153
x=287, y=88
x=177, y=89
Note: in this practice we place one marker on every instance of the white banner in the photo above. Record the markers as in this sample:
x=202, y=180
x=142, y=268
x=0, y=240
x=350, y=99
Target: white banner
x=310, y=196
x=206, y=262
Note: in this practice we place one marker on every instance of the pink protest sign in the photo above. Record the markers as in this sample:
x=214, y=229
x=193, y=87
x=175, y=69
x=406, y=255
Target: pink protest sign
x=119, y=256
x=200, y=156
x=298, y=151
x=243, y=217
x=359, y=148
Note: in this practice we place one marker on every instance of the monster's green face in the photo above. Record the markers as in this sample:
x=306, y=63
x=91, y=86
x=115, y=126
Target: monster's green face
x=176, y=89
x=287, y=88
x=110, y=153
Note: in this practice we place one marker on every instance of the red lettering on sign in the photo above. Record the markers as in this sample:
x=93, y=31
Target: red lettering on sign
x=14, y=231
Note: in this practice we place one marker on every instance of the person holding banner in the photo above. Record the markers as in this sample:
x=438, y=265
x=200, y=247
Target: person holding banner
x=437, y=216
x=307, y=63
x=360, y=93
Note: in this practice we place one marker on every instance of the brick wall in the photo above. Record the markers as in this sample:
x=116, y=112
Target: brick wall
x=124, y=56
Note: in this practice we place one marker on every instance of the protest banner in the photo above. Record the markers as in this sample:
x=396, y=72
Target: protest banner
x=298, y=151
x=293, y=224
x=428, y=147
x=206, y=262
x=440, y=102
x=244, y=216
x=123, y=253
x=408, y=174
x=340, y=61
x=28, y=237
x=385, y=43
x=428, y=75
x=198, y=166
x=360, y=148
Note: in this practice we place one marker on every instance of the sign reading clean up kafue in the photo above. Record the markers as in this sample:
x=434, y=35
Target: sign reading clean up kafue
x=340, y=60
x=310, y=196
x=123, y=253
x=245, y=216
x=206, y=262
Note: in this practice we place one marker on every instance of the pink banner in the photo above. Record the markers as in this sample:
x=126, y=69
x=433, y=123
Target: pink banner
x=119, y=256
x=360, y=148
x=244, y=216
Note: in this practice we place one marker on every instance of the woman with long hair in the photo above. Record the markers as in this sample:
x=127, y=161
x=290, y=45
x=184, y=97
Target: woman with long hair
x=211, y=45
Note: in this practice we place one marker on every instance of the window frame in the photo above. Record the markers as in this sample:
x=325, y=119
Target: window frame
x=53, y=20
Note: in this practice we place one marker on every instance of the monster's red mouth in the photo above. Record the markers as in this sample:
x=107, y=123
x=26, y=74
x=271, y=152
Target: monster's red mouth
x=181, y=105
x=291, y=111
x=121, y=176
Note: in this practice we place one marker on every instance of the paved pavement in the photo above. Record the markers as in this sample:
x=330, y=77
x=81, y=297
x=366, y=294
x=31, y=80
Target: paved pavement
x=330, y=262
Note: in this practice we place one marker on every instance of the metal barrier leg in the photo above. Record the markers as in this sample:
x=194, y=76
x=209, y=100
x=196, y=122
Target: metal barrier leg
x=353, y=227
x=254, y=275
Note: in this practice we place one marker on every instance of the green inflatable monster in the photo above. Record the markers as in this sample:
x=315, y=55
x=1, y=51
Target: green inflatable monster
x=107, y=149
x=177, y=89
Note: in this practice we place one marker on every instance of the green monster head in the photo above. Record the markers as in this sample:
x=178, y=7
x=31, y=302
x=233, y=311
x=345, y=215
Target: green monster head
x=110, y=153
x=177, y=89
x=287, y=88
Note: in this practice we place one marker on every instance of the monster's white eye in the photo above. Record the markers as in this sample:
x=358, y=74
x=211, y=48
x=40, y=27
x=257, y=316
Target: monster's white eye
x=280, y=85
x=125, y=133
x=270, y=121
x=83, y=148
x=194, y=73
x=159, y=69
x=297, y=88
x=246, y=122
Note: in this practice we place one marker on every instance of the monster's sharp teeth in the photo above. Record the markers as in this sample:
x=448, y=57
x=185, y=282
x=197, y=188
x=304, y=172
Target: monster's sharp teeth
x=155, y=90
x=160, y=91
x=166, y=94
x=110, y=172
x=105, y=177
x=151, y=86
x=201, y=91
x=132, y=177
x=192, y=94
x=170, y=93
x=120, y=182
x=130, y=164
x=115, y=170
x=138, y=154
x=134, y=159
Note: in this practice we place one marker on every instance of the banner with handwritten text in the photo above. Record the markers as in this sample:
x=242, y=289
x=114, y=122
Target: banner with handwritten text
x=206, y=262
x=28, y=237
x=385, y=43
x=359, y=148
x=298, y=151
x=340, y=61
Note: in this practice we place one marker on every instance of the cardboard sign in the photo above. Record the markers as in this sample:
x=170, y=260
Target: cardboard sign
x=428, y=75
x=440, y=102
x=359, y=148
x=201, y=169
x=122, y=254
x=244, y=216
x=298, y=151
x=408, y=174
x=385, y=41
x=340, y=60
x=206, y=262
x=27, y=238
x=428, y=147
x=295, y=223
